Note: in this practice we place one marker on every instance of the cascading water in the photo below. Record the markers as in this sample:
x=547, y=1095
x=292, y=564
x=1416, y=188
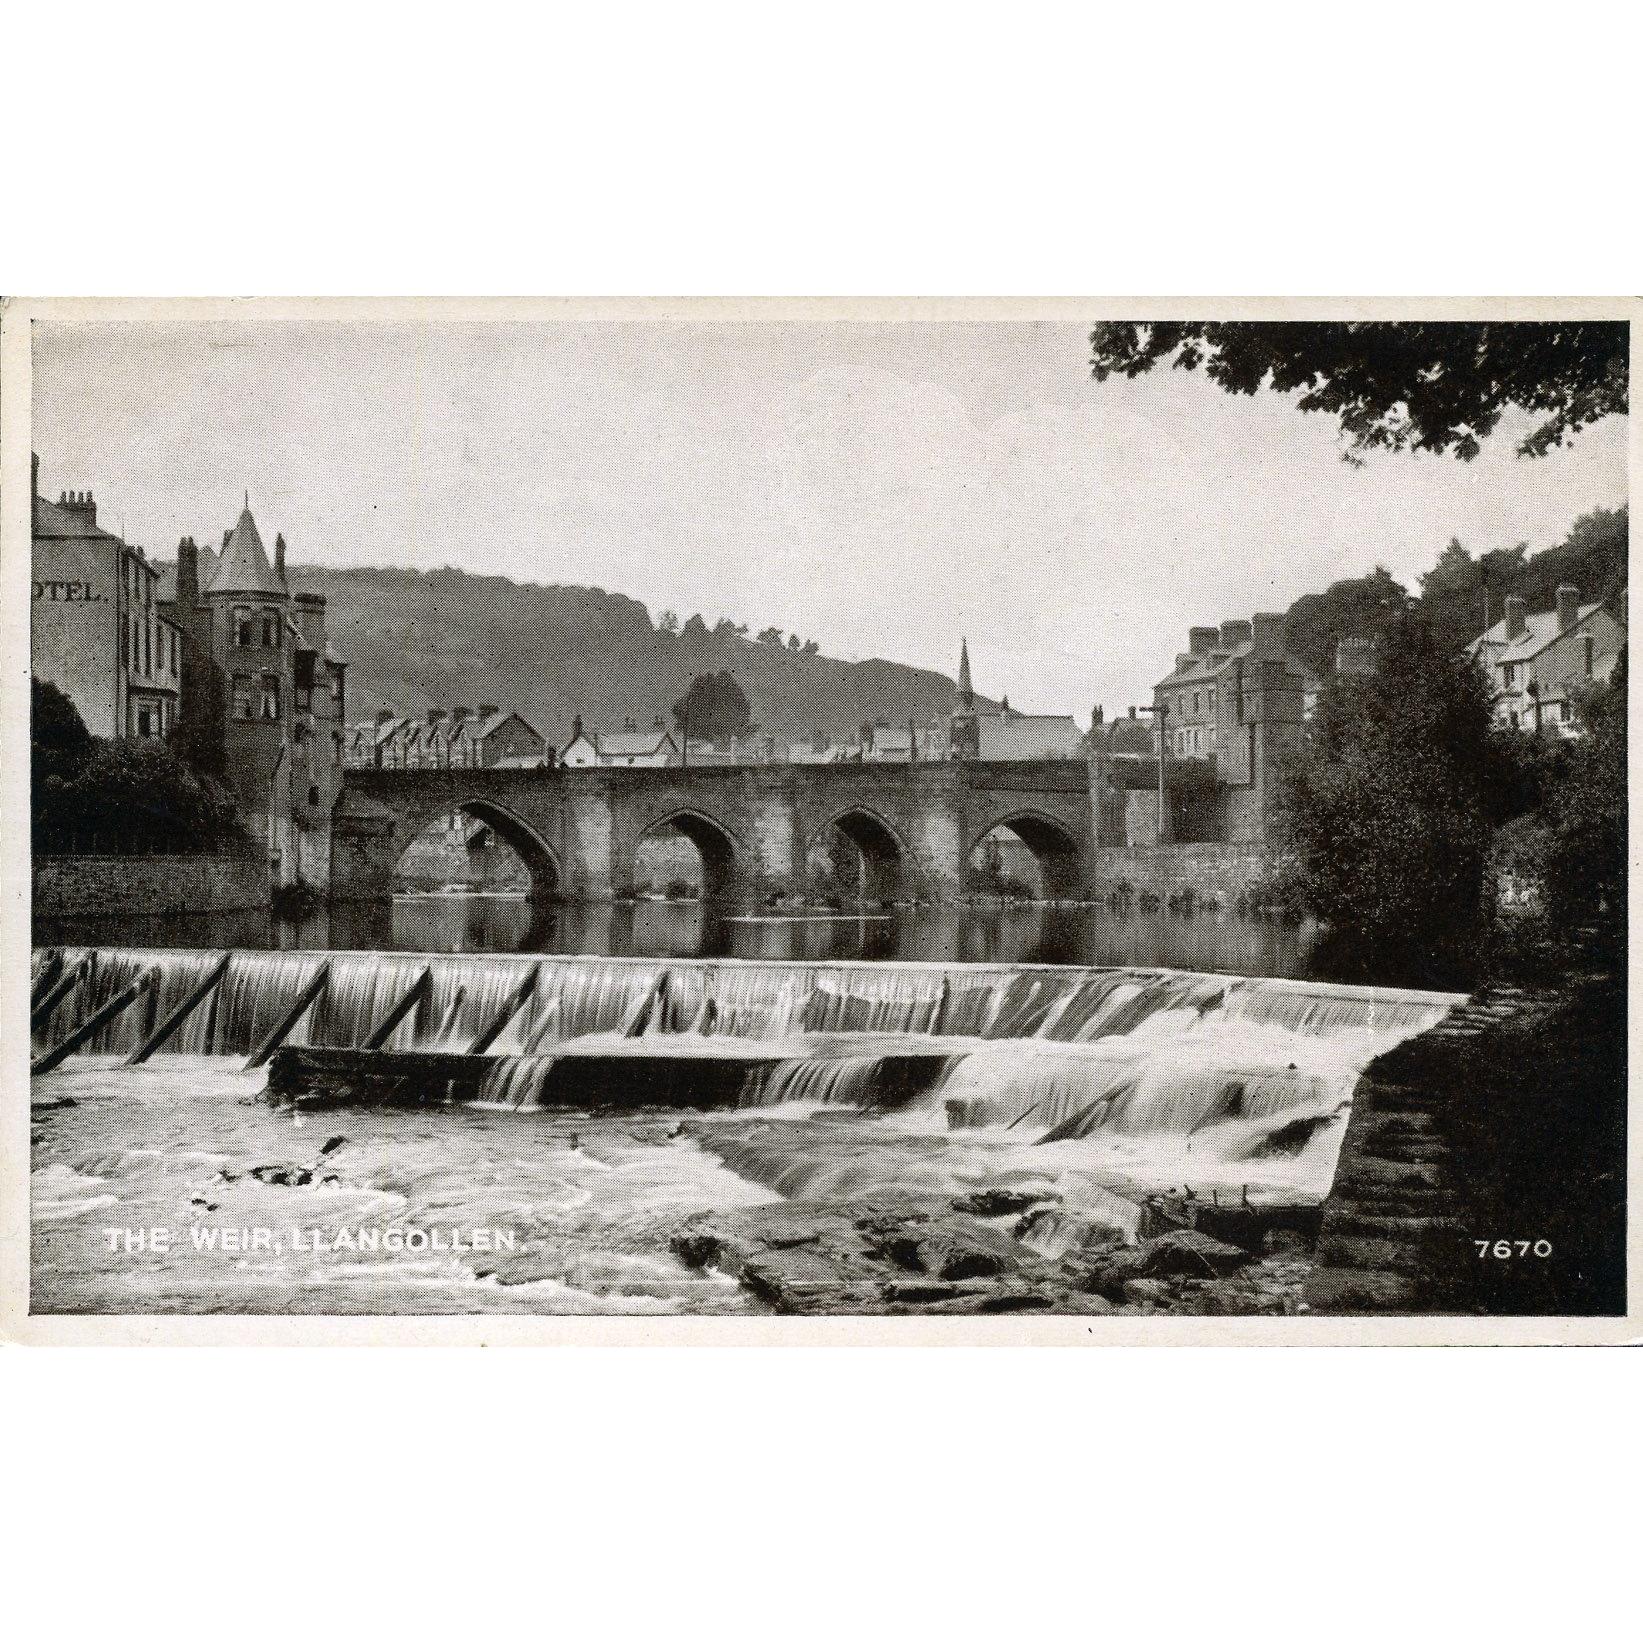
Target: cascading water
x=1204, y=1067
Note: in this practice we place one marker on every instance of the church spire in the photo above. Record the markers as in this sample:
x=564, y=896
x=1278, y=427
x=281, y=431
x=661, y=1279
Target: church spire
x=966, y=695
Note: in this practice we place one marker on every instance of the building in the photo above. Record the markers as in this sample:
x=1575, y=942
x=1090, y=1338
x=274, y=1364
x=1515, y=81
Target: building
x=97, y=630
x=262, y=649
x=1227, y=714
x=1540, y=663
x=1008, y=735
x=1001, y=733
x=447, y=739
x=629, y=746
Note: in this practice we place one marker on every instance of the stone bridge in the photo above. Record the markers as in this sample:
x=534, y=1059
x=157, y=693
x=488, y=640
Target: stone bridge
x=579, y=831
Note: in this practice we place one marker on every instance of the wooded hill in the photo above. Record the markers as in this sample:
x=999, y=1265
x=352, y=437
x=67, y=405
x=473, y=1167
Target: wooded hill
x=415, y=640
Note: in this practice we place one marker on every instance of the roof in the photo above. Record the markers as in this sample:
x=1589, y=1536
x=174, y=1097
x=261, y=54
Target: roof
x=1028, y=736
x=496, y=722
x=244, y=566
x=52, y=520
x=1539, y=630
x=630, y=743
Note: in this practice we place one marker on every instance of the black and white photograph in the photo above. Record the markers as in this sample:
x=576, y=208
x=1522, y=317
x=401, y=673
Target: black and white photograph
x=1034, y=820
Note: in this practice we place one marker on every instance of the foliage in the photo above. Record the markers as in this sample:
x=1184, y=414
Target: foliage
x=714, y=707
x=668, y=621
x=119, y=797
x=59, y=742
x=1582, y=866
x=1422, y=386
x=770, y=636
x=1388, y=809
x=1592, y=556
x=198, y=737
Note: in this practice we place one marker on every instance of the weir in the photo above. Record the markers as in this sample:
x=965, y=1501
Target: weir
x=1253, y=1075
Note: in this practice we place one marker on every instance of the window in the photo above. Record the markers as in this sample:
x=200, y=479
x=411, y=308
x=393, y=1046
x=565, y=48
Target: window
x=1211, y=703
x=1513, y=717
x=1563, y=713
x=1511, y=675
x=313, y=795
x=1209, y=739
x=148, y=647
x=1586, y=645
x=271, y=630
x=242, y=626
x=1195, y=702
x=242, y=697
x=270, y=696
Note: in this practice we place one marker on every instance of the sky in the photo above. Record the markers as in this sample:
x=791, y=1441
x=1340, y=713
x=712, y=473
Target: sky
x=882, y=488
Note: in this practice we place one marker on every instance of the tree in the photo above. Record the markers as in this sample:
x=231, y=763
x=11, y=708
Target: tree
x=714, y=707
x=1387, y=809
x=811, y=648
x=116, y=796
x=199, y=736
x=770, y=636
x=1455, y=569
x=1423, y=386
x=59, y=742
x=1582, y=863
x=1351, y=609
x=792, y=641
x=668, y=621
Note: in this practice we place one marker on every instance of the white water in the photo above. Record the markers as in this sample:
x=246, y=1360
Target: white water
x=1089, y=1081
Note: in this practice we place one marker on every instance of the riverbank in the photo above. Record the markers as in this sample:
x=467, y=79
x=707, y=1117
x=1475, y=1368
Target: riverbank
x=1484, y=1167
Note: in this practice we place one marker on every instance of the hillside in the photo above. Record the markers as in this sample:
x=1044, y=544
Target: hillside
x=415, y=640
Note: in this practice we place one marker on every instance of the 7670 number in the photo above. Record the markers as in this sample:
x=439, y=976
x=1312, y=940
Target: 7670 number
x=1504, y=1249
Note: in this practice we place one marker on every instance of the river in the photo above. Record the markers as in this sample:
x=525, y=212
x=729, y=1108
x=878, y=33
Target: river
x=1183, y=1060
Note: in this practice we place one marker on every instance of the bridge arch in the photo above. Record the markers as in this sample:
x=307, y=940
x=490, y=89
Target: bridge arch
x=888, y=870
x=1056, y=849
x=540, y=859
x=716, y=845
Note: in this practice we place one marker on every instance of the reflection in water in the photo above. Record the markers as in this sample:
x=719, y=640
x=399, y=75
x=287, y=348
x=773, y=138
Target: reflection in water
x=476, y=924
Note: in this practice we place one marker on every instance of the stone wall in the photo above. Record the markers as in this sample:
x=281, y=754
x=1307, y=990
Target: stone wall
x=1223, y=870
x=140, y=885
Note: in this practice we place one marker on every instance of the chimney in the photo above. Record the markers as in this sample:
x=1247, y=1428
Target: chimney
x=1267, y=632
x=1234, y=634
x=1568, y=607
x=188, y=574
x=1201, y=641
x=34, y=470
x=576, y=728
x=279, y=556
x=1514, y=616
x=1183, y=658
x=658, y=723
x=384, y=714
x=487, y=710
x=436, y=715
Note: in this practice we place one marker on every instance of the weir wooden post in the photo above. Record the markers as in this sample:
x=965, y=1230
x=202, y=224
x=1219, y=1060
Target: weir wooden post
x=173, y=1021
x=379, y=1035
x=287, y=1024
x=493, y=1028
x=86, y=1030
